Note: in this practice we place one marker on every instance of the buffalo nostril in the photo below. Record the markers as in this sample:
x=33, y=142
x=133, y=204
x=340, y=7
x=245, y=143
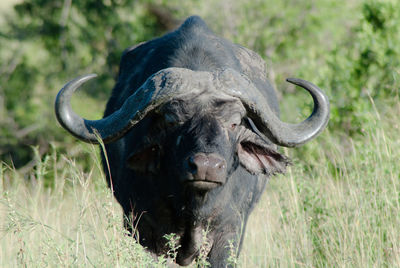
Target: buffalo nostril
x=220, y=165
x=198, y=165
x=217, y=168
x=216, y=162
x=192, y=165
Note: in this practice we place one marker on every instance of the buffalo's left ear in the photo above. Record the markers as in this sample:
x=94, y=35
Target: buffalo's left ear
x=258, y=158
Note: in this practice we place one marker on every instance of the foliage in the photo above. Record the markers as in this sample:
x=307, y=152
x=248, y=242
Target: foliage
x=50, y=42
x=34, y=218
x=346, y=218
x=173, y=245
x=337, y=206
x=365, y=66
x=45, y=43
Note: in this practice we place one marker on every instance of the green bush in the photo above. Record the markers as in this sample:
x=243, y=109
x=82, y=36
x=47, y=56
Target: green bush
x=351, y=49
x=45, y=43
x=338, y=206
x=365, y=67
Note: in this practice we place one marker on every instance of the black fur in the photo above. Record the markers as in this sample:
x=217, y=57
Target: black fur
x=148, y=167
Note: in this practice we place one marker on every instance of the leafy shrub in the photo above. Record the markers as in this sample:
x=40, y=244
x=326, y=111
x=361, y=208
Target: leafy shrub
x=364, y=67
x=46, y=43
x=351, y=49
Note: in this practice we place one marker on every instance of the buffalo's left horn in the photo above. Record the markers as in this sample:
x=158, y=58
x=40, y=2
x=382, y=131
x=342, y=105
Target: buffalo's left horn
x=145, y=99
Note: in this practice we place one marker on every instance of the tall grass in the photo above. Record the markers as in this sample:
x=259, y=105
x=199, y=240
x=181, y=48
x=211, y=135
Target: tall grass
x=75, y=223
x=338, y=206
x=339, y=210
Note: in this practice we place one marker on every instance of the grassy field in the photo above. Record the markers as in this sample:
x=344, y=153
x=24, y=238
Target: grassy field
x=343, y=213
x=339, y=206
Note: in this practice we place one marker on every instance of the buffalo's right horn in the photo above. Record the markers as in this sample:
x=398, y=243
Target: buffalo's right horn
x=113, y=126
x=158, y=89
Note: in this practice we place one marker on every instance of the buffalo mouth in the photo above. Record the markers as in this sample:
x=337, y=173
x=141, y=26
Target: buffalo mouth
x=203, y=185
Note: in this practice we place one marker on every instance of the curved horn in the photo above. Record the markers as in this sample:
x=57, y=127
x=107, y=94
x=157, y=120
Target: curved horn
x=150, y=95
x=280, y=133
x=174, y=82
x=108, y=129
x=291, y=135
x=64, y=113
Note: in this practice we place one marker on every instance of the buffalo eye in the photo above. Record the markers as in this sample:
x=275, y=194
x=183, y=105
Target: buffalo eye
x=171, y=120
x=235, y=121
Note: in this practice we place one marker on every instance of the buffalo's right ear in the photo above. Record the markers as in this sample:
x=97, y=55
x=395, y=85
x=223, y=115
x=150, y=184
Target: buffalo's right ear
x=260, y=158
x=144, y=160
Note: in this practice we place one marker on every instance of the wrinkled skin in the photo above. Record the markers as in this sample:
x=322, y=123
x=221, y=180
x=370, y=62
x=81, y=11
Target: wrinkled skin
x=155, y=167
x=158, y=189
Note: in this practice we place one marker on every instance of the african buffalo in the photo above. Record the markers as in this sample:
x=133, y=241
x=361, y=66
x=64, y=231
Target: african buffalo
x=191, y=133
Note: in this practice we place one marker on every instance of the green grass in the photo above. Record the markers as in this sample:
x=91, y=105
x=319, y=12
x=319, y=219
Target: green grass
x=338, y=206
x=339, y=210
x=76, y=223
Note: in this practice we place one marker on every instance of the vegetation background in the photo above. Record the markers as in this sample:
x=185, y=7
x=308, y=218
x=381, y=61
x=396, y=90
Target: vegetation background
x=338, y=205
